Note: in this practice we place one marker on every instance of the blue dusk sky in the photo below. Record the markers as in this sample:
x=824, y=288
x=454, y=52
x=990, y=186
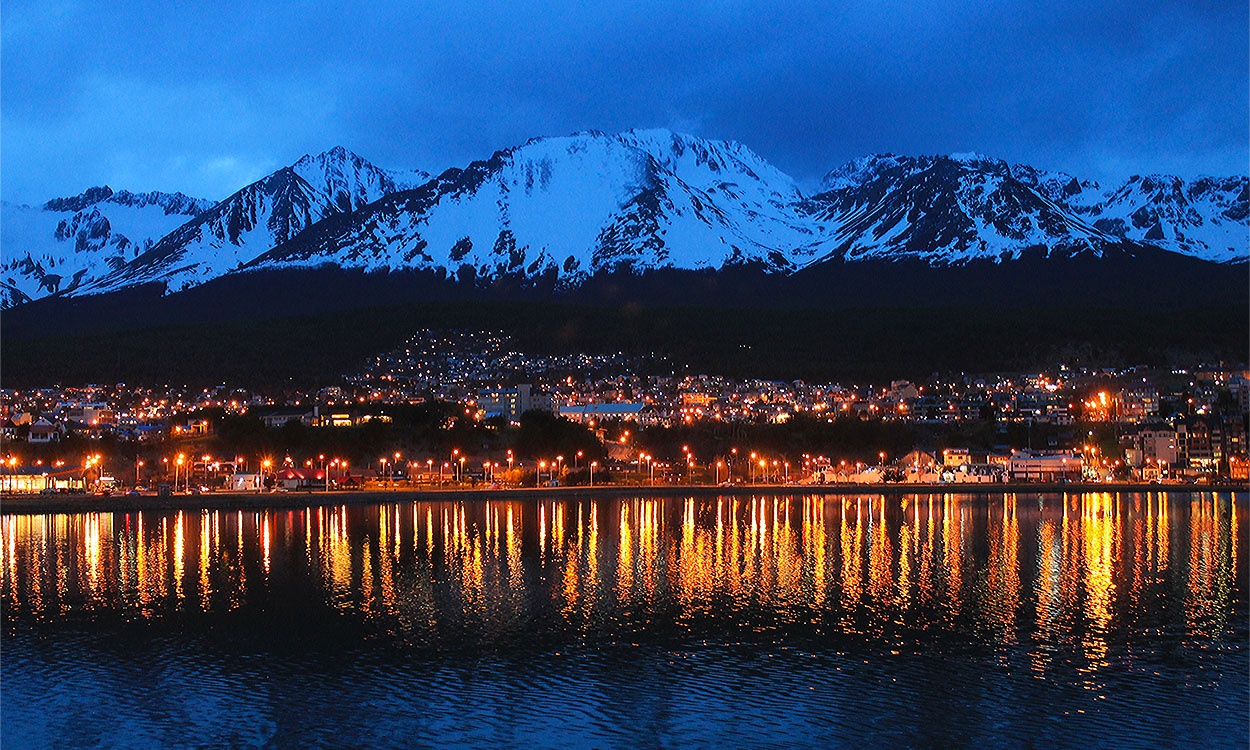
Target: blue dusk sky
x=206, y=97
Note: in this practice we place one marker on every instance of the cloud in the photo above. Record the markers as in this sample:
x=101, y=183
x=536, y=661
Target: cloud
x=153, y=95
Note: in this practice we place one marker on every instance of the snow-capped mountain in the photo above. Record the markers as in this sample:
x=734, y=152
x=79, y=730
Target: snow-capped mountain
x=68, y=243
x=575, y=205
x=568, y=207
x=1205, y=218
x=262, y=215
x=949, y=210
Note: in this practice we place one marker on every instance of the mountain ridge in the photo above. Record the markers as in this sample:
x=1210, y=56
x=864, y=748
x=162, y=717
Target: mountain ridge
x=571, y=207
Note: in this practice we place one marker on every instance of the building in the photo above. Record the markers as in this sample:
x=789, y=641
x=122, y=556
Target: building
x=281, y=418
x=1044, y=467
x=93, y=414
x=1240, y=388
x=43, y=431
x=1199, y=442
x=1138, y=404
x=511, y=403
x=952, y=457
x=1149, y=445
x=586, y=413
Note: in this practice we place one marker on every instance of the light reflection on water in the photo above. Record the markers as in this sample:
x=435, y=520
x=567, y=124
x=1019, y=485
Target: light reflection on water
x=1115, y=604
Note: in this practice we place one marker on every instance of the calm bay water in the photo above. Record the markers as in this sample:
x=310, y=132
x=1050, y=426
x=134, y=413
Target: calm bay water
x=774, y=621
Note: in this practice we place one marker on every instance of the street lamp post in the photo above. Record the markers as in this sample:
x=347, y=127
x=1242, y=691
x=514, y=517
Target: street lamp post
x=719, y=463
x=593, y=464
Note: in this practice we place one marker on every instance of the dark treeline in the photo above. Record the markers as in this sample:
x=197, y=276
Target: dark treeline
x=815, y=345
x=853, y=321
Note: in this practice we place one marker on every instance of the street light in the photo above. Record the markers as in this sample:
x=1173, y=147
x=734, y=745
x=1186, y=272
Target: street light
x=593, y=464
x=650, y=465
x=577, y=460
x=541, y=465
x=719, y=464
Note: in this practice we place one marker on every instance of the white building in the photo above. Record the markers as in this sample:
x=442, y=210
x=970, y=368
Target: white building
x=1044, y=467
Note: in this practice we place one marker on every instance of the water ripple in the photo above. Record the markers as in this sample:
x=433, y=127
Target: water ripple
x=778, y=622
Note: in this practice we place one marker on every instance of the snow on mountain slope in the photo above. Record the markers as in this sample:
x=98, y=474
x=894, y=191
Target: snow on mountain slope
x=963, y=207
x=262, y=215
x=350, y=181
x=574, y=205
x=1205, y=218
x=947, y=210
x=68, y=243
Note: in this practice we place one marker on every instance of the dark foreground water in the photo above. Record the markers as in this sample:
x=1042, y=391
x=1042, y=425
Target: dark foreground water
x=1019, y=620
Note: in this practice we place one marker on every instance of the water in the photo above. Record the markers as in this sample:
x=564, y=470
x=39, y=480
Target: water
x=773, y=621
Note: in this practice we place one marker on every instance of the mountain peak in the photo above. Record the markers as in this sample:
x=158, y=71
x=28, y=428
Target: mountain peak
x=88, y=197
x=861, y=170
x=971, y=157
x=335, y=155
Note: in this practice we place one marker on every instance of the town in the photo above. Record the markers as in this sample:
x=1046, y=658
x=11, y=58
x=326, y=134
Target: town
x=466, y=409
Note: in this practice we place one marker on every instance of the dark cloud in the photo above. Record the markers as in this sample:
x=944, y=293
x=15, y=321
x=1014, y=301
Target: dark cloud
x=205, y=97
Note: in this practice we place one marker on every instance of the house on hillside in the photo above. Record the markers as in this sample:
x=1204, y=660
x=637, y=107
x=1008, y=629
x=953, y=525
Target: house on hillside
x=43, y=431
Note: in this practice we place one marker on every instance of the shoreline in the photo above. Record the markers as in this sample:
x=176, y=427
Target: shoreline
x=64, y=504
